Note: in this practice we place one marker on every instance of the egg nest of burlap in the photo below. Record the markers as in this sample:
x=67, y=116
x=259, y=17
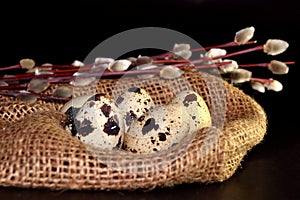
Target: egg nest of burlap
x=37, y=152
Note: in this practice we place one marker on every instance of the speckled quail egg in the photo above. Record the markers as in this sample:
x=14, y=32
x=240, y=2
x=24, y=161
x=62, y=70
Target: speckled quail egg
x=165, y=126
x=158, y=129
x=97, y=123
x=132, y=104
x=199, y=114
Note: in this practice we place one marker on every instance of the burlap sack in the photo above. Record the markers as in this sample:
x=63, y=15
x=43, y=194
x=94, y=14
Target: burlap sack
x=36, y=151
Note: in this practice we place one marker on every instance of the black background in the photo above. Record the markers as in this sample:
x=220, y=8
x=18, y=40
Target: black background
x=61, y=33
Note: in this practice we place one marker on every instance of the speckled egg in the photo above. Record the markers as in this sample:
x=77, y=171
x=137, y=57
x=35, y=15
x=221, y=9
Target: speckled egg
x=199, y=114
x=97, y=123
x=158, y=129
x=132, y=104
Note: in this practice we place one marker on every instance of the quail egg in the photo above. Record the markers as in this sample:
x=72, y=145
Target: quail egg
x=97, y=123
x=166, y=125
x=132, y=104
x=158, y=129
x=199, y=114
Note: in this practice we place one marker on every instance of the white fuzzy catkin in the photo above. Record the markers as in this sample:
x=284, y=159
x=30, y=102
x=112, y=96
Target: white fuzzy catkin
x=277, y=67
x=181, y=47
x=63, y=92
x=274, y=85
x=214, y=52
x=38, y=85
x=228, y=67
x=244, y=35
x=146, y=67
x=103, y=60
x=84, y=81
x=275, y=46
x=184, y=54
x=78, y=63
x=170, y=72
x=27, y=63
x=119, y=65
x=258, y=86
x=240, y=75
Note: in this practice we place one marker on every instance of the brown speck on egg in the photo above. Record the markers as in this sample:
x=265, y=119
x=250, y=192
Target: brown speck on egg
x=162, y=136
x=130, y=117
x=148, y=126
x=111, y=127
x=119, y=100
x=189, y=98
x=133, y=150
x=119, y=142
x=84, y=128
x=91, y=104
x=135, y=90
x=106, y=109
x=141, y=118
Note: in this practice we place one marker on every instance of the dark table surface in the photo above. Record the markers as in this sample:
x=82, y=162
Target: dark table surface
x=57, y=33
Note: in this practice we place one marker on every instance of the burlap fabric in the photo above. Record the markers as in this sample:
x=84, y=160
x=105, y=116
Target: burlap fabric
x=36, y=151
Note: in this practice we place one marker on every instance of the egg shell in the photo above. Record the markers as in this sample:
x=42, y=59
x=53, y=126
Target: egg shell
x=132, y=104
x=197, y=109
x=97, y=124
x=159, y=129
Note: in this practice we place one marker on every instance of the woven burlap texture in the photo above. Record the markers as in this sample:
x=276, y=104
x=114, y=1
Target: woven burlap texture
x=36, y=151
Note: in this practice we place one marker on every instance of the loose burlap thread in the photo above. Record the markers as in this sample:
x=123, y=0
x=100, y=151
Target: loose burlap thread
x=37, y=152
